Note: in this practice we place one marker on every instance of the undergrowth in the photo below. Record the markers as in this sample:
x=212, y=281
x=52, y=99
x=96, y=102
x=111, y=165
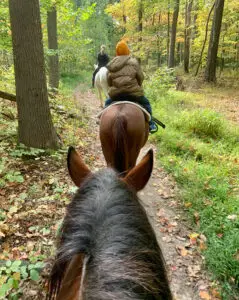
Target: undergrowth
x=34, y=191
x=201, y=149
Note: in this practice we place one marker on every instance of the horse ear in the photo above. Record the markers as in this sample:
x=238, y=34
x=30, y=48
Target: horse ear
x=76, y=167
x=140, y=174
x=72, y=280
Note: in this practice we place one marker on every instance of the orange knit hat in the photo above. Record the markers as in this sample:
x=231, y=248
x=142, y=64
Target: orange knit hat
x=122, y=48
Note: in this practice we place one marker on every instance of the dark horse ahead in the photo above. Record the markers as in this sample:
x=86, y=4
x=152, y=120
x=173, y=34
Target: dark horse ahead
x=123, y=132
x=107, y=249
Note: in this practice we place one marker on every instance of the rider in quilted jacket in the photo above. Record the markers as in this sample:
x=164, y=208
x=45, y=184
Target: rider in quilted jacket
x=125, y=79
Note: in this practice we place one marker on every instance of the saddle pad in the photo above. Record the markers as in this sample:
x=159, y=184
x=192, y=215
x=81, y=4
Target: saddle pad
x=147, y=115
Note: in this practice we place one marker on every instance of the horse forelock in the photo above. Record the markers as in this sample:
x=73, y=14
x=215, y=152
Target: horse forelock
x=106, y=222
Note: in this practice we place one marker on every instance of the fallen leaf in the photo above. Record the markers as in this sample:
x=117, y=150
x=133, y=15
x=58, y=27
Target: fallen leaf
x=202, y=246
x=16, y=276
x=196, y=217
x=203, y=237
x=30, y=245
x=215, y=294
x=193, y=238
x=193, y=270
x=174, y=268
x=204, y=295
x=182, y=251
x=237, y=255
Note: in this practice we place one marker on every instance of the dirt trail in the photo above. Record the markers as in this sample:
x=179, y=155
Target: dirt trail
x=188, y=280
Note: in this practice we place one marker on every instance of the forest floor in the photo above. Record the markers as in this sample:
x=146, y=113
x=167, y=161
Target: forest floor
x=35, y=190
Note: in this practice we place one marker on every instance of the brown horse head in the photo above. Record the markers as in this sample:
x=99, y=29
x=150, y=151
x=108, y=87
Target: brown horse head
x=123, y=132
x=107, y=248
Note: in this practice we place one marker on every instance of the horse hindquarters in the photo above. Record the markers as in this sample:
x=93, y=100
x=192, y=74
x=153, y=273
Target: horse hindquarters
x=123, y=132
x=102, y=84
x=121, y=149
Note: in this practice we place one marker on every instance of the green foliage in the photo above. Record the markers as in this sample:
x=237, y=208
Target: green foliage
x=160, y=82
x=10, y=176
x=26, y=152
x=203, y=123
x=5, y=30
x=13, y=272
x=200, y=148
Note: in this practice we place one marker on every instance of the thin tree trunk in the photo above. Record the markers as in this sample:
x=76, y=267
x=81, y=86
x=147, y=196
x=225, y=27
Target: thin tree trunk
x=194, y=30
x=53, y=46
x=187, y=34
x=140, y=25
x=124, y=18
x=181, y=52
x=205, y=39
x=171, y=58
x=210, y=72
x=158, y=52
x=35, y=128
x=168, y=30
x=140, y=19
x=158, y=44
x=178, y=53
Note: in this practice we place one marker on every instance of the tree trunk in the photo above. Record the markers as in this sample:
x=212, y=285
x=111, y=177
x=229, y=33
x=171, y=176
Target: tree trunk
x=35, y=128
x=205, y=39
x=140, y=19
x=124, y=18
x=178, y=61
x=194, y=30
x=187, y=34
x=210, y=72
x=53, y=46
x=140, y=25
x=173, y=35
x=158, y=44
x=168, y=30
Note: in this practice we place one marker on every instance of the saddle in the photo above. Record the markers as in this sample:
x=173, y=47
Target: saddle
x=146, y=114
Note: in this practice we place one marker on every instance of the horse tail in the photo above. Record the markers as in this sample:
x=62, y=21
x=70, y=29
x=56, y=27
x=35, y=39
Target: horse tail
x=120, y=143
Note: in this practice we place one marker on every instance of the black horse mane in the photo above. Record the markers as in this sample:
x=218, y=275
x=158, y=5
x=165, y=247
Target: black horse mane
x=106, y=222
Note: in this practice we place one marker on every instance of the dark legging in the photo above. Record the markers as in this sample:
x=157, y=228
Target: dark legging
x=93, y=77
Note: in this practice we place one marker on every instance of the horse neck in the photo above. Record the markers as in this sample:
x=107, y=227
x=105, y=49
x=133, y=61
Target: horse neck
x=106, y=222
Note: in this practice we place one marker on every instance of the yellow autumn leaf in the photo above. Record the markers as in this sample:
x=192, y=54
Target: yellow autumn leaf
x=194, y=235
x=16, y=276
x=184, y=252
x=204, y=295
x=3, y=279
x=202, y=246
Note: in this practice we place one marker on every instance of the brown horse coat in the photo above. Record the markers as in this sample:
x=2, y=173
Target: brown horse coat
x=123, y=132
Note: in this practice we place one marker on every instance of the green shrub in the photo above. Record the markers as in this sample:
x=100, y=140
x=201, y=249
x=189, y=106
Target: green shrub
x=203, y=123
x=160, y=82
